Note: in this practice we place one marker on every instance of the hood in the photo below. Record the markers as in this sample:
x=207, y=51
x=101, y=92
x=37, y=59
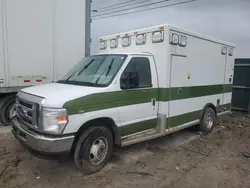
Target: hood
x=56, y=94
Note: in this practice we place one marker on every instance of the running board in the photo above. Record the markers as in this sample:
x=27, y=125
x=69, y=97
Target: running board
x=139, y=137
x=224, y=113
x=180, y=127
x=152, y=134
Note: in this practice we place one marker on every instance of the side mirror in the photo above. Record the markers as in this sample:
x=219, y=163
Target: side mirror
x=129, y=80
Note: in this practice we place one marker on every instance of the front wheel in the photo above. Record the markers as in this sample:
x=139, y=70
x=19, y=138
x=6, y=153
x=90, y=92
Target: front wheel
x=93, y=149
x=208, y=121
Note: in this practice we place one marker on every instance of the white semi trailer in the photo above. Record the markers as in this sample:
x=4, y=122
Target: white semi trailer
x=39, y=41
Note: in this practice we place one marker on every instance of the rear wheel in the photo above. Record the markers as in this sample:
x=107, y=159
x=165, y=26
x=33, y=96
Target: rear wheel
x=93, y=149
x=7, y=111
x=208, y=121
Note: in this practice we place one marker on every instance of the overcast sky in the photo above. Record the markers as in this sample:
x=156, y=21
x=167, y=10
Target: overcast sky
x=223, y=19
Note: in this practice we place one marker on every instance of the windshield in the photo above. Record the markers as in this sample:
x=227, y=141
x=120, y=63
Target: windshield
x=97, y=70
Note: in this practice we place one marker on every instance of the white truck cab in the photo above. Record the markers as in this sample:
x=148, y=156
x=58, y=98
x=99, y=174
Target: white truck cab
x=144, y=84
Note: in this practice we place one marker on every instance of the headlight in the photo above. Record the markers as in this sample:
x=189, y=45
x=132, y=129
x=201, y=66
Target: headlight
x=54, y=120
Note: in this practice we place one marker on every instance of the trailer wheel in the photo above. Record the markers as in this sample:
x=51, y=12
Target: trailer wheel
x=93, y=149
x=208, y=121
x=7, y=107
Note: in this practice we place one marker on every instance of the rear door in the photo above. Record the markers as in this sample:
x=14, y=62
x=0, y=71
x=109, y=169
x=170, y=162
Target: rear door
x=2, y=69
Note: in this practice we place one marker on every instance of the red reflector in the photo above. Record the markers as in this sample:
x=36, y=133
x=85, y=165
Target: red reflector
x=38, y=80
x=26, y=81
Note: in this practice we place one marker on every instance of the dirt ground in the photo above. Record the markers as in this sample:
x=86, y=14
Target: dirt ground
x=181, y=160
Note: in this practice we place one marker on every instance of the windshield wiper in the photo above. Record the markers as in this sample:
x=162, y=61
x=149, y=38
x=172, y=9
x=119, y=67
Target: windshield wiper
x=86, y=66
x=107, y=69
x=81, y=70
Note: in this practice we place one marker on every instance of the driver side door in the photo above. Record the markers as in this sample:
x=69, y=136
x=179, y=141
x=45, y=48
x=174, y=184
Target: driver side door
x=139, y=86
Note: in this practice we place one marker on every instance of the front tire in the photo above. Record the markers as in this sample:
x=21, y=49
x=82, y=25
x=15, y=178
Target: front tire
x=93, y=149
x=208, y=121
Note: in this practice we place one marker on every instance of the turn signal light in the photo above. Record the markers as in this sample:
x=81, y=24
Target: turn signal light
x=61, y=118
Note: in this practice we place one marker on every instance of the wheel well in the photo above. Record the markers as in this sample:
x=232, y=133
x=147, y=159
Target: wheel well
x=6, y=95
x=209, y=105
x=105, y=122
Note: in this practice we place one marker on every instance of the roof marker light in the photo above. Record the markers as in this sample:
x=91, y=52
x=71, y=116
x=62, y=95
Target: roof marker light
x=223, y=50
x=114, y=43
x=161, y=27
x=126, y=41
x=231, y=52
x=157, y=36
x=103, y=45
x=141, y=39
x=174, y=38
x=183, y=41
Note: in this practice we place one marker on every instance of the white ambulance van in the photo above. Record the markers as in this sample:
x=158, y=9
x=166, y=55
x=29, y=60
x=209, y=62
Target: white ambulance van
x=144, y=84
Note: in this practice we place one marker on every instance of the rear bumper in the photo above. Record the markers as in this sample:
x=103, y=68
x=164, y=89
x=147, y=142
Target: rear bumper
x=39, y=143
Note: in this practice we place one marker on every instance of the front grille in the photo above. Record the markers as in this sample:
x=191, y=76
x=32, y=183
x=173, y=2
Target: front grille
x=26, y=104
x=27, y=112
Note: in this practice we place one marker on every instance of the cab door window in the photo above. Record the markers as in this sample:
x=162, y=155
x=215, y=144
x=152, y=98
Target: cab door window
x=137, y=74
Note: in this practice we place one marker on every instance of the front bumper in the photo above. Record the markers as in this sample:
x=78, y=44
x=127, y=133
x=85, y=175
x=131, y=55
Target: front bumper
x=42, y=144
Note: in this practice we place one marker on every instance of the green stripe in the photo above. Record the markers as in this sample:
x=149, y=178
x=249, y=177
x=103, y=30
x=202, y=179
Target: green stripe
x=227, y=88
x=138, y=127
x=184, y=118
x=101, y=101
x=192, y=116
x=171, y=122
x=197, y=91
x=163, y=94
x=166, y=94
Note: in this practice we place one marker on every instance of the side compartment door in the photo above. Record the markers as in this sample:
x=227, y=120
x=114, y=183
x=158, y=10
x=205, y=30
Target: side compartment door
x=139, y=86
x=179, y=104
